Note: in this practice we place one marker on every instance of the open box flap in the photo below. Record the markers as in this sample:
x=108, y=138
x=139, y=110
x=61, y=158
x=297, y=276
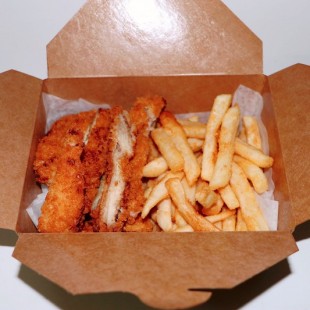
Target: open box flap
x=291, y=98
x=158, y=268
x=19, y=97
x=132, y=37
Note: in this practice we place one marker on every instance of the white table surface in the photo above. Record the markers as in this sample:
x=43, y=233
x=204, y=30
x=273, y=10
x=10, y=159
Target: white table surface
x=25, y=29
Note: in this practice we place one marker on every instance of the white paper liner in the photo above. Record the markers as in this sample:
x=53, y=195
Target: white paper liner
x=249, y=101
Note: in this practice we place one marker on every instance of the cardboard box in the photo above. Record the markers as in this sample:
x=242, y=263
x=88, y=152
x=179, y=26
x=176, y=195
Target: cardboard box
x=188, y=53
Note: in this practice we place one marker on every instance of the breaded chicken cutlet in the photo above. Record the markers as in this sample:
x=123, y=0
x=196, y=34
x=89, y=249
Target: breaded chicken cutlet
x=92, y=163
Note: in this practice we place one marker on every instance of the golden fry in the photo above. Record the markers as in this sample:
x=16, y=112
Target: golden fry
x=229, y=197
x=252, y=131
x=251, y=211
x=253, y=173
x=220, y=106
x=159, y=193
x=241, y=225
x=167, y=148
x=193, y=129
x=222, y=169
x=195, y=144
x=215, y=209
x=252, y=154
x=242, y=134
x=221, y=216
x=185, y=228
x=155, y=167
x=229, y=224
x=176, y=132
x=189, y=191
x=164, y=215
x=204, y=195
x=198, y=222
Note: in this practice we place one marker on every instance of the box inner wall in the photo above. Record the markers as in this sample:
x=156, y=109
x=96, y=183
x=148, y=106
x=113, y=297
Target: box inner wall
x=183, y=94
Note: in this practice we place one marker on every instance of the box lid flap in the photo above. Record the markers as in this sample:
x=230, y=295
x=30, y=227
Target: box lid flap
x=291, y=96
x=19, y=97
x=132, y=37
x=159, y=268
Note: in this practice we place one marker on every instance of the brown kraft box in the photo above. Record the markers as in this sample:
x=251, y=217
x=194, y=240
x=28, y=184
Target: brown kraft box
x=188, y=52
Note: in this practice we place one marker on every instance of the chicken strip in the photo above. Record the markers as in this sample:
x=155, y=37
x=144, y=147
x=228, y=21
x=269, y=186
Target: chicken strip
x=94, y=157
x=121, y=142
x=63, y=206
x=69, y=130
x=143, y=117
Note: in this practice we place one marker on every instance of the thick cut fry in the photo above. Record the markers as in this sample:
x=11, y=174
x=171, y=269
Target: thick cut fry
x=153, y=152
x=221, y=216
x=155, y=167
x=193, y=129
x=219, y=225
x=198, y=222
x=164, y=215
x=251, y=211
x=185, y=228
x=189, y=191
x=252, y=154
x=253, y=173
x=159, y=193
x=204, y=195
x=229, y=197
x=222, y=169
x=215, y=209
x=242, y=134
x=176, y=132
x=167, y=148
x=195, y=144
x=241, y=225
x=220, y=106
x=229, y=224
x=179, y=220
x=252, y=131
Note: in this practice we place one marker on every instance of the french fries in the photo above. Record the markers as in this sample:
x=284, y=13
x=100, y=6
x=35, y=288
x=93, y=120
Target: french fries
x=167, y=148
x=253, y=173
x=229, y=197
x=193, y=129
x=253, y=154
x=207, y=175
x=155, y=168
x=195, y=220
x=252, y=131
x=222, y=169
x=177, y=134
x=251, y=212
x=158, y=193
x=220, y=106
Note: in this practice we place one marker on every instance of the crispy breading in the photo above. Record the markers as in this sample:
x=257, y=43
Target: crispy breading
x=63, y=206
x=69, y=130
x=143, y=116
x=94, y=157
x=120, y=145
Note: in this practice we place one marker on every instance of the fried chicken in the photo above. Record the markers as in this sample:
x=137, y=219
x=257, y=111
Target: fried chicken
x=143, y=116
x=121, y=142
x=92, y=163
x=94, y=157
x=62, y=209
x=69, y=130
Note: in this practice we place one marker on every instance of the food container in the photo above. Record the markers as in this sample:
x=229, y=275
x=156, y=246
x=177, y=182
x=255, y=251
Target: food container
x=188, y=52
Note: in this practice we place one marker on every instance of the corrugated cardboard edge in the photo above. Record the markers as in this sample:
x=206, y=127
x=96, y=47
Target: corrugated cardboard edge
x=158, y=268
x=291, y=98
x=19, y=97
x=125, y=38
